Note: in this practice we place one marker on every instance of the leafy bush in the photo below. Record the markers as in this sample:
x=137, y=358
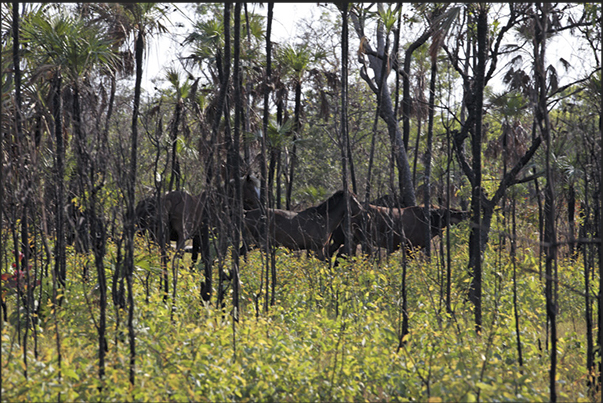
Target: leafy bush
x=332, y=335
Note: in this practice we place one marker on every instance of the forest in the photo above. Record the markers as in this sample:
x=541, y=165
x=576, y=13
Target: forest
x=400, y=203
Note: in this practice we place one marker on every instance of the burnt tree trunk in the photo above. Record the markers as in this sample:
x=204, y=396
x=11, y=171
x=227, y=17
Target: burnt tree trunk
x=428, y=151
x=129, y=225
x=237, y=208
x=550, y=242
x=345, y=141
x=266, y=182
x=475, y=244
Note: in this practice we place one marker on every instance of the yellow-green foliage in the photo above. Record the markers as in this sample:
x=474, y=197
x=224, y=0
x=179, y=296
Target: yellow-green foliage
x=332, y=335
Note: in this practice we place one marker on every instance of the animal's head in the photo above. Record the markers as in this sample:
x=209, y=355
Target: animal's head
x=250, y=190
x=145, y=212
x=337, y=199
x=439, y=217
x=456, y=216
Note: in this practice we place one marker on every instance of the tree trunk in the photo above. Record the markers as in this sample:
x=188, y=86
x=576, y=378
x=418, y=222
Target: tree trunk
x=345, y=145
x=266, y=183
x=175, y=171
x=26, y=183
x=387, y=111
x=60, y=258
x=600, y=299
x=296, y=131
x=129, y=230
x=550, y=242
x=427, y=190
x=225, y=111
x=475, y=244
x=237, y=207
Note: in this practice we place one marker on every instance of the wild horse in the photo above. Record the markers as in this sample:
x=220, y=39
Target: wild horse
x=309, y=229
x=182, y=214
x=388, y=228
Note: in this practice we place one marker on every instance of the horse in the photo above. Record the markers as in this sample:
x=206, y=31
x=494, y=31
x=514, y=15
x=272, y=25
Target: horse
x=183, y=214
x=309, y=229
x=389, y=228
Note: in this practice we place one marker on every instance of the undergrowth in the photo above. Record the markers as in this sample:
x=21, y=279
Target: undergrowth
x=333, y=334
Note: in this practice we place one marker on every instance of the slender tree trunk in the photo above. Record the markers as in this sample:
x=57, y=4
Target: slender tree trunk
x=571, y=213
x=586, y=253
x=550, y=242
x=416, y=155
x=514, y=261
x=266, y=183
x=25, y=185
x=296, y=131
x=347, y=223
x=98, y=247
x=60, y=259
x=427, y=190
x=17, y=69
x=475, y=244
x=237, y=205
x=599, y=381
x=175, y=171
x=448, y=256
x=396, y=53
x=129, y=230
x=225, y=111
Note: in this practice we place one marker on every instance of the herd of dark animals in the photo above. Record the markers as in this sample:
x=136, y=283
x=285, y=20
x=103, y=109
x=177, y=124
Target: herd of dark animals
x=318, y=229
x=309, y=229
x=183, y=215
x=390, y=227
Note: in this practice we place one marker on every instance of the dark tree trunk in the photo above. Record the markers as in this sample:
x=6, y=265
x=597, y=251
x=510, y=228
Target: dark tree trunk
x=225, y=112
x=571, y=213
x=550, y=247
x=587, y=254
x=296, y=132
x=427, y=190
x=475, y=244
x=175, y=171
x=17, y=69
x=514, y=262
x=129, y=230
x=60, y=259
x=600, y=297
x=448, y=256
x=345, y=147
x=237, y=208
x=23, y=156
x=98, y=247
x=266, y=183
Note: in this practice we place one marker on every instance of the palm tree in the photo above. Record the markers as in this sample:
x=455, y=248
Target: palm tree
x=69, y=50
x=72, y=48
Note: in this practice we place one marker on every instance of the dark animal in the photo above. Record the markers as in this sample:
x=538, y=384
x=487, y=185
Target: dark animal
x=389, y=227
x=309, y=229
x=388, y=201
x=182, y=214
